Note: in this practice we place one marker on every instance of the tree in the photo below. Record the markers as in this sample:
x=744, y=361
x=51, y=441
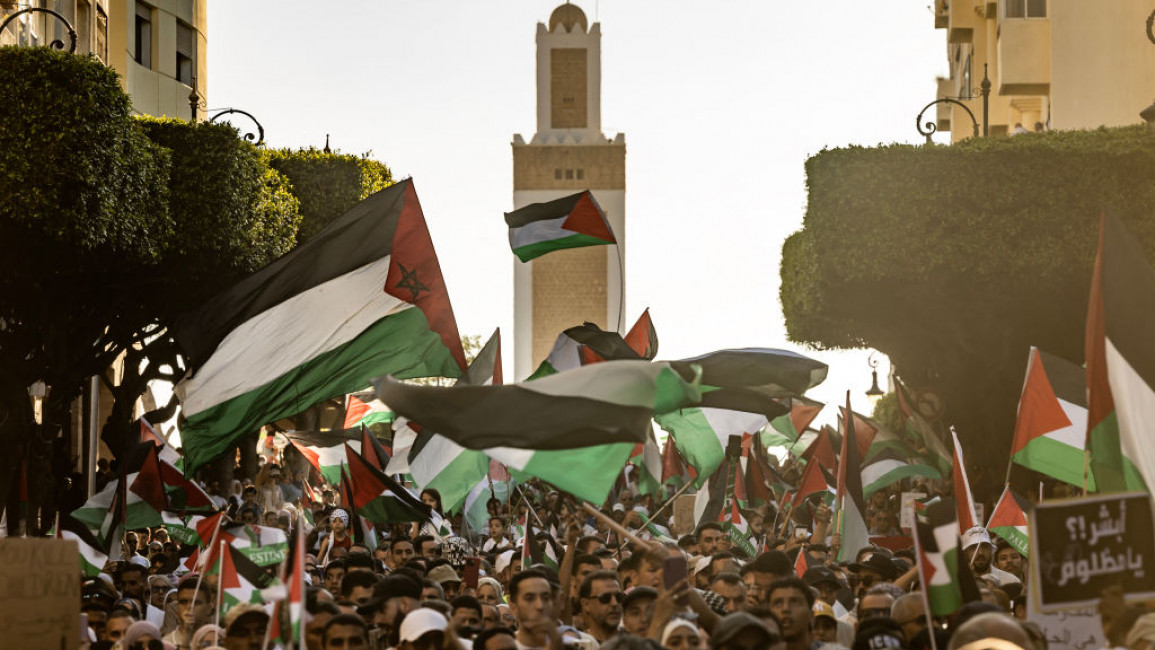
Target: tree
x=955, y=260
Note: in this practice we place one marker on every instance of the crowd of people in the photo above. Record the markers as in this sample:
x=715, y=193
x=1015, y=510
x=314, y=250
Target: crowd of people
x=589, y=578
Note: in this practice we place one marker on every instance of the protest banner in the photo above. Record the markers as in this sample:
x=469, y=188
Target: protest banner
x=40, y=593
x=1081, y=546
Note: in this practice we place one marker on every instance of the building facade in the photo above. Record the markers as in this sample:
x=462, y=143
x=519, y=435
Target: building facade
x=1053, y=64
x=568, y=154
x=158, y=48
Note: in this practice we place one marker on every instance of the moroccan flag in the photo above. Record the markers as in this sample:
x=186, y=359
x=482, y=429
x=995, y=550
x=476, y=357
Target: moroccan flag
x=573, y=221
x=92, y=556
x=1120, y=361
x=753, y=379
x=241, y=581
x=1051, y=428
x=361, y=299
x=1009, y=520
x=324, y=451
x=380, y=499
x=642, y=337
x=962, y=487
x=939, y=557
x=701, y=434
x=364, y=409
x=851, y=502
x=602, y=403
x=583, y=344
x=785, y=429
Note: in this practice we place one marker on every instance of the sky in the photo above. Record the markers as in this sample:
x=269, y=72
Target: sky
x=721, y=104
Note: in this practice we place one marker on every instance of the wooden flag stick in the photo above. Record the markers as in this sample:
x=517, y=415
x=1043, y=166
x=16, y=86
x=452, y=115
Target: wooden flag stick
x=613, y=525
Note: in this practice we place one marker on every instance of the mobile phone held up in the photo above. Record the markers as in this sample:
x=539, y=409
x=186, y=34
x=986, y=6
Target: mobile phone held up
x=674, y=570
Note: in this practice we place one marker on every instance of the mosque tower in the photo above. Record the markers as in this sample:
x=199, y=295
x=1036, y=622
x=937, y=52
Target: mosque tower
x=568, y=154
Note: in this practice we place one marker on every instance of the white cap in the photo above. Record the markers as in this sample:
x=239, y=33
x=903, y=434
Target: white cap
x=420, y=622
x=701, y=564
x=503, y=562
x=975, y=535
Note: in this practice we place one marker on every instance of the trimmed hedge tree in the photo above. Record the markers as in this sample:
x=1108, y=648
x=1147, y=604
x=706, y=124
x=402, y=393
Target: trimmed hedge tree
x=953, y=260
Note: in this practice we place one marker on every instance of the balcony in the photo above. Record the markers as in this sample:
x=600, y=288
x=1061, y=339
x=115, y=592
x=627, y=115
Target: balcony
x=1024, y=56
x=961, y=21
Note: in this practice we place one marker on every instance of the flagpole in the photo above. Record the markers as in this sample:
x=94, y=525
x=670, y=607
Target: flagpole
x=667, y=503
x=220, y=583
x=923, y=587
x=203, y=560
x=621, y=288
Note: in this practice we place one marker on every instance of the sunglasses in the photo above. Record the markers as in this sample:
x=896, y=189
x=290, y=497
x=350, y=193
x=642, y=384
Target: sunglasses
x=875, y=611
x=147, y=645
x=610, y=596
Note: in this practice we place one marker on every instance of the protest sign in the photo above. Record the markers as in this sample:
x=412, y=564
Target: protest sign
x=1078, y=629
x=683, y=515
x=1081, y=546
x=906, y=513
x=40, y=593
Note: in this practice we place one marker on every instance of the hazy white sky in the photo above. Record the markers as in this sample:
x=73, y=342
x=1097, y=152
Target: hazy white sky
x=721, y=103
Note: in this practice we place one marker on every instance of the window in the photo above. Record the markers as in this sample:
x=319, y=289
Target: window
x=569, y=174
x=101, y=49
x=1025, y=9
x=143, y=32
x=557, y=174
x=84, y=44
x=185, y=53
x=581, y=174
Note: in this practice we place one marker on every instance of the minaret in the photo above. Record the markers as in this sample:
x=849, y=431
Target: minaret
x=569, y=153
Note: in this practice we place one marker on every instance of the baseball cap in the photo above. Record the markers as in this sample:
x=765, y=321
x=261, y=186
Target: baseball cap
x=883, y=565
x=420, y=622
x=878, y=632
x=822, y=608
x=443, y=574
x=815, y=576
x=244, y=611
x=638, y=593
x=975, y=535
x=733, y=624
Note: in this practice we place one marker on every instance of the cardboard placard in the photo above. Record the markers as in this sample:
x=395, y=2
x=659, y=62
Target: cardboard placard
x=906, y=513
x=683, y=515
x=1078, y=629
x=40, y=593
x=1081, y=546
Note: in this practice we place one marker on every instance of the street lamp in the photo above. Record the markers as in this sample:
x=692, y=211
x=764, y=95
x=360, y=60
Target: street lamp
x=56, y=44
x=259, y=138
x=875, y=392
x=984, y=90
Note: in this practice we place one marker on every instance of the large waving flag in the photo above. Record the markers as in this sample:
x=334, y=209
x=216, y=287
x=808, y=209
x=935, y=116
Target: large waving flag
x=642, y=337
x=363, y=298
x=851, y=522
x=572, y=221
x=785, y=429
x=753, y=379
x=603, y=403
x=1009, y=521
x=920, y=432
x=889, y=461
x=581, y=345
x=1120, y=362
x=434, y=461
x=135, y=500
x=183, y=493
x=92, y=555
x=701, y=434
x=378, y=498
x=1051, y=428
x=962, y=487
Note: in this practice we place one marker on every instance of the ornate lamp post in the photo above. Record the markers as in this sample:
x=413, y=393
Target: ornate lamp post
x=56, y=44
x=258, y=139
x=875, y=392
x=932, y=127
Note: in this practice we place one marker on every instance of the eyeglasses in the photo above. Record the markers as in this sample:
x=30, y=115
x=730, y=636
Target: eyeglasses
x=875, y=611
x=866, y=581
x=147, y=645
x=608, y=596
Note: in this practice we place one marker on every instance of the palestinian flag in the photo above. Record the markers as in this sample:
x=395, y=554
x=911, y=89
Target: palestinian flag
x=737, y=529
x=1120, y=362
x=135, y=500
x=324, y=451
x=289, y=616
x=642, y=337
x=673, y=467
x=785, y=429
x=701, y=434
x=180, y=528
x=588, y=473
x=801, y=563
x=710, y=500
x=603, y=403
x=939, y=557
x=851, y=518
x=183, y=494
x=380, y=499
x=373, y=450
x=166, y=453
x=1051, y=428
x=888, y=462
x=813, y=481
x=821, y=449
x=756, y=471
x=1009, y=520
x=434, y=461
x=753, y=379
x=573, y=221
x=647, y=458
x=92, y=557
x=241, y=581
x=361, y=299
x=581, y=345
x=920, y=433
x=535, y=550
x=364, y=409
x=962, y=487
x=263, y=545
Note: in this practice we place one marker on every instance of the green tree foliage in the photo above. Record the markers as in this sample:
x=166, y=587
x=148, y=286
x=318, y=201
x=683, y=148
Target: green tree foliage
x=954, y=260
x=327, y=184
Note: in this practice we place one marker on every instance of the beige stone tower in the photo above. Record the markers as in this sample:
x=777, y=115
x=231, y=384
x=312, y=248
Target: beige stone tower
x=569, y=153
